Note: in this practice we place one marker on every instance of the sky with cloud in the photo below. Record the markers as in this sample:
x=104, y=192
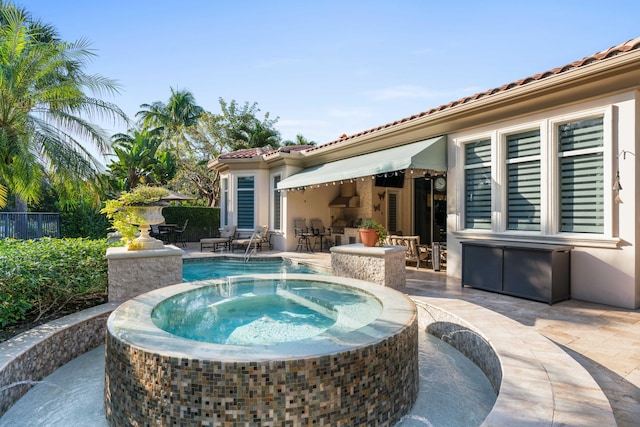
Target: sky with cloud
x=327, y=68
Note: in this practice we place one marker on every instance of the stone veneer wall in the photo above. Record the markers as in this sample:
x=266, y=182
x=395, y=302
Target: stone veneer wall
x=32, y=355
x=132, y=273
x=382, y=265
x=373, y=385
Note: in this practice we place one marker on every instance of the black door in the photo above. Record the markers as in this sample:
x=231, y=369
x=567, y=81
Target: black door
x=422, y=209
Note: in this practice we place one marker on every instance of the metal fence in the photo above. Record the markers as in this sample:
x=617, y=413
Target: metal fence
x=29, y=225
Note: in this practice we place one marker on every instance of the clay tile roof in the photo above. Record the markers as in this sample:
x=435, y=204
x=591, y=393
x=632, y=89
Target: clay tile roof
x=246, y=153
x=627, y=46
x=253, y=152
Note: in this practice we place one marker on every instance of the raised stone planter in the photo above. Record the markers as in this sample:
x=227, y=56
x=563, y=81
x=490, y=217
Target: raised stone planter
x=384, y=265
x=132, y=273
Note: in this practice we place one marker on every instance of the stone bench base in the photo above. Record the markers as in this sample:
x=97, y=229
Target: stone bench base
x=384, y=265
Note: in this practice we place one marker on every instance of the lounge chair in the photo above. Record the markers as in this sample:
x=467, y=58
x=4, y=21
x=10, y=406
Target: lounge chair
x=259, y=237
x=415, y=251
x=227, y=234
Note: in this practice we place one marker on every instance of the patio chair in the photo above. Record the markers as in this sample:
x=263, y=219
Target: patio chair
x=303, y=234
x=178, y=234
x=258, y=238
x=319, y=232
x=156, y=233
x=227, y=234
x=415, y=252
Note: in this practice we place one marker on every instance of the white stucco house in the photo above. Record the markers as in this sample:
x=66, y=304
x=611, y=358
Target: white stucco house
x=547, y=159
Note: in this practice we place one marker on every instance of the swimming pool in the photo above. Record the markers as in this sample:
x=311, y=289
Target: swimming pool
x=218, y=268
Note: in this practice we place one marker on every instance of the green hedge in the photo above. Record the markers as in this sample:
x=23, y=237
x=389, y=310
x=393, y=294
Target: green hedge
x=84, y=220
x=203, y=222
x=43, y=277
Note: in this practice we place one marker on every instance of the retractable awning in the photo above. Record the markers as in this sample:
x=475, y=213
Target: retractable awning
x=429, y=154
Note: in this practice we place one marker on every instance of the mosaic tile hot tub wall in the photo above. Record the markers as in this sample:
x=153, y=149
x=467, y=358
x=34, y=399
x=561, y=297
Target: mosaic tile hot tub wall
x=371, y=386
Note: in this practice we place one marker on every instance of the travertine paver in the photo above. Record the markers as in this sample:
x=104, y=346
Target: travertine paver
x=604, y=340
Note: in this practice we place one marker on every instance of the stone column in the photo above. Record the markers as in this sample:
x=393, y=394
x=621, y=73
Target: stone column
x=384, y=265
x=132, y=273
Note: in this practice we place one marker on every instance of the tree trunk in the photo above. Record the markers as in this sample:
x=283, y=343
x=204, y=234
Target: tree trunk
x=21, y=220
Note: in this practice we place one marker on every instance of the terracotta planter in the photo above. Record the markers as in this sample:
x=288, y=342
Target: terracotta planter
x=369, y=236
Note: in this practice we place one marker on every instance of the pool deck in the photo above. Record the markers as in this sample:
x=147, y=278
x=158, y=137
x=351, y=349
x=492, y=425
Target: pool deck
x=605, y=340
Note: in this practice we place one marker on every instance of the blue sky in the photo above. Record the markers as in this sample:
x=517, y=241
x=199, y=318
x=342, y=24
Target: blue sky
x=331, y=67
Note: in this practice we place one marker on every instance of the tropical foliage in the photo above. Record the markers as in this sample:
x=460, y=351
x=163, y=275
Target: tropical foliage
x=139, y=160
x=45, y=100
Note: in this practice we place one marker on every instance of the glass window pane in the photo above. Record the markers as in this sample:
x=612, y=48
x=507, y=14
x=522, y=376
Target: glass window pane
x=246, y=202
x=478, y=152
x=580, y=135
x=523, y=181
x=582, y=194
x=478, y=198
x=277, y=224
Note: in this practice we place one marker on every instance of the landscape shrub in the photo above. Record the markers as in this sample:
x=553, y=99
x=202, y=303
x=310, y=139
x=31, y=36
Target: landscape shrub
x=39, y=278
x=84, y=220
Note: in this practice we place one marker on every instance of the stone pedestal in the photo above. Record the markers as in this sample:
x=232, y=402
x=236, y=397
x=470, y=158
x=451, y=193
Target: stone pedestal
x=384, y=265
x=132, y=273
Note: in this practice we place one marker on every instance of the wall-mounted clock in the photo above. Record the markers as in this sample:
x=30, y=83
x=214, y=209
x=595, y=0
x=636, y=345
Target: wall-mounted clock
x=440, y=183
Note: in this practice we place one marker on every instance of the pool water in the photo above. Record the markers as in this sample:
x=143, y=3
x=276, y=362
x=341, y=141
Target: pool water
x=260, y=312
x=219, y=268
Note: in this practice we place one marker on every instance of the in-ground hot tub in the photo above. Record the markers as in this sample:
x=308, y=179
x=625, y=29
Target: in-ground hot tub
x=352, y=361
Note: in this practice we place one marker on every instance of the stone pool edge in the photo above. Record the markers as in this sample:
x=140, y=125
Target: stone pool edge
x=539, y=383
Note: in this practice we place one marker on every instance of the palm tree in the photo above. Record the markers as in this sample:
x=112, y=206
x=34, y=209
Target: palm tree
x=170, y=119
x=300, y=140
x=139, y=161
x=255, y=134
x=44, y=109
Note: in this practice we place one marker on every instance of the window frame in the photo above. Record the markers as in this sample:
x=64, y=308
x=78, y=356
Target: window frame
x=224, y=201
x=492, y=167
x=237, y=199
x=607, y=158
x=550, y=181
x=275, y=195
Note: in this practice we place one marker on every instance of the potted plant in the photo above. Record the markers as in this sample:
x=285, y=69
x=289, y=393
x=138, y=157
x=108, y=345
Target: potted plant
x=134, y=211
x=372, y=233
